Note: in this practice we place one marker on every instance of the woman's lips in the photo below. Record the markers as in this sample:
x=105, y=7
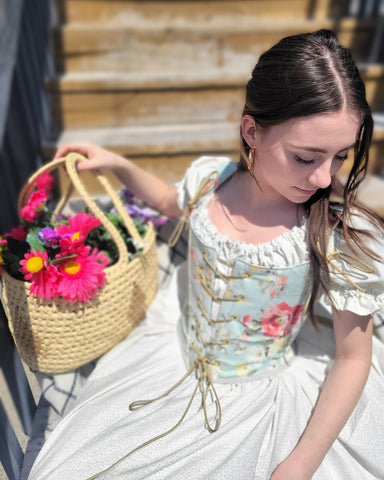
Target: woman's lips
x=306, y=192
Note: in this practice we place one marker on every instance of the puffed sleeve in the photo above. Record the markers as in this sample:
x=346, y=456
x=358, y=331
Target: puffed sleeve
x=196, y=173
x=356, y=280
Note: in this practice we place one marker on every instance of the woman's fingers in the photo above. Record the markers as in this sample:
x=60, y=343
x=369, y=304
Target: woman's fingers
x=97, y=157
x=84, y=148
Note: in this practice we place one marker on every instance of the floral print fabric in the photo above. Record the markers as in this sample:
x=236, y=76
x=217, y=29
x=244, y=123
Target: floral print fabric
x=243, y=317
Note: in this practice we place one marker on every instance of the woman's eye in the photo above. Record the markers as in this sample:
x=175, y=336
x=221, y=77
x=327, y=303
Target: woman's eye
x=342, y=157
x=302, y=160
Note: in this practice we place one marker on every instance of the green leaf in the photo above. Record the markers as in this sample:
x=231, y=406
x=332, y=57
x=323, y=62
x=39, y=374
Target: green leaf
x=57, y=261
x=34, y=241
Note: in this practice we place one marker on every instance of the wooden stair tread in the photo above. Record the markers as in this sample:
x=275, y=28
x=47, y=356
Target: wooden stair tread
x=144, y=140
x=117, y=12
x=174, y=138
x=156, y=80
x=172, y=79
x=108, y=35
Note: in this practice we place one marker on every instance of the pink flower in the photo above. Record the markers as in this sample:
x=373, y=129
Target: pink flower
x=100, y=257
x=34, y=205
x=76, y=232
x=44, y=181
x=279, y=319
x=18, y=233
x=43, y=277
x=81, y=276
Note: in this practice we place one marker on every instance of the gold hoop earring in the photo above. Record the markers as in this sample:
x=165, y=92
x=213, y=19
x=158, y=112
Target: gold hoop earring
x=251, y=162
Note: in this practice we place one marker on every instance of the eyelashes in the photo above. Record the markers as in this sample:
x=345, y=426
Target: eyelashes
x=301, y=160
x=310, y=162
x=341, y=157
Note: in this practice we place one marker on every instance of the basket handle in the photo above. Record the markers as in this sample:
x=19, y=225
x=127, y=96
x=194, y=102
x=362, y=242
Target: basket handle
x=69, y=161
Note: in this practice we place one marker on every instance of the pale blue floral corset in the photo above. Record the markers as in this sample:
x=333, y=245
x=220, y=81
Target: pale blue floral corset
x=243, y=318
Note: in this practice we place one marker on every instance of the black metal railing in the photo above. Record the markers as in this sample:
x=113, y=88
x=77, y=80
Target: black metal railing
x=24, y=120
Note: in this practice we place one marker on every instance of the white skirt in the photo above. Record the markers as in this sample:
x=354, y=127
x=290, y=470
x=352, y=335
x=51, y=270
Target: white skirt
x=262, y=419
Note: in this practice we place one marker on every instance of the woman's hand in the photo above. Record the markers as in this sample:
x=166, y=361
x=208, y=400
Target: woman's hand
x=142, y=184
x=98, y=158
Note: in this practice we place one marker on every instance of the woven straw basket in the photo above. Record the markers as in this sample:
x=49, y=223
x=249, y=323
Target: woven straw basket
x=55, y=336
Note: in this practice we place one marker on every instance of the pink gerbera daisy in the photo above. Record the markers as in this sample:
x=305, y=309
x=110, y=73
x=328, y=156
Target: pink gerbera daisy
x=81, y=276
x=43, y=277
x=34, y=205
x=76, y=232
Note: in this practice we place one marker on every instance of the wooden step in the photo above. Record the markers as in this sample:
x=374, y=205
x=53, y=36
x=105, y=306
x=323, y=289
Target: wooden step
x=195, y=46
x=106, y=100
x=87, y=101
x=164, y=150
x=120, y=12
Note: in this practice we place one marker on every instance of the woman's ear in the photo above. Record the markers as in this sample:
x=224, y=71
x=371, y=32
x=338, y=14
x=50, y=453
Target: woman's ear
x=248, y=130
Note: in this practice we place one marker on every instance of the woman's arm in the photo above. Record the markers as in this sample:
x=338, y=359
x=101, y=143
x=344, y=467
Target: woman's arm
x=142, y=184
x=339, y=396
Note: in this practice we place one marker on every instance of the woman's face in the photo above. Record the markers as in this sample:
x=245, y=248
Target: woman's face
x=297, y=157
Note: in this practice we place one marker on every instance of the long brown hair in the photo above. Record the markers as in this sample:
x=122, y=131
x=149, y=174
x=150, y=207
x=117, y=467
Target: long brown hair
x=304, y=75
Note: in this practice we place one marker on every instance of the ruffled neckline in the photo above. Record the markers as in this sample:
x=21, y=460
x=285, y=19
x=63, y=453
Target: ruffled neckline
x=287, y=250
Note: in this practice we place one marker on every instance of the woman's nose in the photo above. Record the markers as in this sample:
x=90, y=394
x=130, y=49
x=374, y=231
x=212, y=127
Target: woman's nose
x=321, y=176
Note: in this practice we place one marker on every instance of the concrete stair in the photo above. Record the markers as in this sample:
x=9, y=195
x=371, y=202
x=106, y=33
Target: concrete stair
x=163, y=82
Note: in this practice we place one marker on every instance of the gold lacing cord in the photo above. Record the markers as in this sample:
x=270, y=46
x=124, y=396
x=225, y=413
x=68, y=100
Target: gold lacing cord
x=184, y=219
x=202, y=367
x=208, y=291
x=306, y=305
x=225, y=278
x=210, y=320
x=205, y=343
x=352, y=261
x=231, y=265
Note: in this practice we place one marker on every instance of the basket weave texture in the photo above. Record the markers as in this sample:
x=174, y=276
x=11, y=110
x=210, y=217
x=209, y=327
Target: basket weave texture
x=55, y=336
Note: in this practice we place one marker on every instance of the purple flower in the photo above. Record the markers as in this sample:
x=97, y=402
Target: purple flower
x=140, y=212
x=143, y=214
x=128, y=196
x=49, y=237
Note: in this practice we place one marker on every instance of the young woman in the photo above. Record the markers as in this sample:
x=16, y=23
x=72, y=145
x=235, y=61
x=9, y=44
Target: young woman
x=240, y=387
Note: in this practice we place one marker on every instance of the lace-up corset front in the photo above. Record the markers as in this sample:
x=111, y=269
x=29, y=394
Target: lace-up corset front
x=236, y=316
